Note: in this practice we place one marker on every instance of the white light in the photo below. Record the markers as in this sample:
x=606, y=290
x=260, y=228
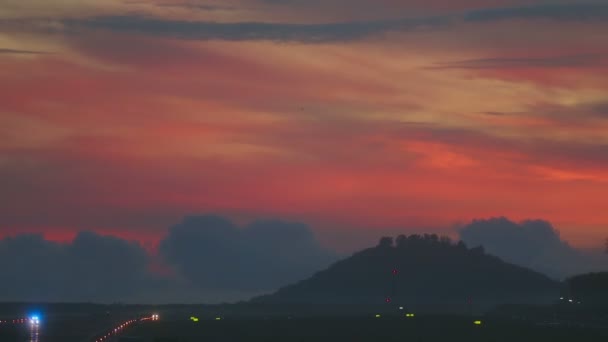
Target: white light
x=401, y=308
x=570, y=300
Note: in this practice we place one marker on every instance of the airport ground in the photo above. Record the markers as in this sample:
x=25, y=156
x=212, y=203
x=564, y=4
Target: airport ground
x=181, y=328
x=386, y=329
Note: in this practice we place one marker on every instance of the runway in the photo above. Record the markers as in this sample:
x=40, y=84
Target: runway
x=69, y=328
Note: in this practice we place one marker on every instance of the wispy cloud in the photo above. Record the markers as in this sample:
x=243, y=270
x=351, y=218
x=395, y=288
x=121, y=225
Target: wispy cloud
x=22, y=52
x=579, y=113
x=585, y=60
x=196, y=6
x=577, y=12
x=253, y=30
x=303, y=32
x=349, y=30
x=600, y=109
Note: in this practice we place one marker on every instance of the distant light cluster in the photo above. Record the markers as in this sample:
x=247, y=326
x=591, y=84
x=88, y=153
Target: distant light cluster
x=569, y=300
x=15, y=321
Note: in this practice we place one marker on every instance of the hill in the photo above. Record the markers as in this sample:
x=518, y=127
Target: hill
x=421, y=271
x=591, y=288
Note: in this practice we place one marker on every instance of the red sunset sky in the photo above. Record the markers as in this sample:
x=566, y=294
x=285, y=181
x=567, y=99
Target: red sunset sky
x=357, y=116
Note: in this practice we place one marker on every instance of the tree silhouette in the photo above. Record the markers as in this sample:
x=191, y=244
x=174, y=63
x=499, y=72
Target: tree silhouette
x=461, y=245
x=479, y=250
x=401, y=241
x=386, y=242
x=445, y=240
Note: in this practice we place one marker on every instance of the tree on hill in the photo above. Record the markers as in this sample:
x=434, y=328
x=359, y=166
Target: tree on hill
x=385, y=242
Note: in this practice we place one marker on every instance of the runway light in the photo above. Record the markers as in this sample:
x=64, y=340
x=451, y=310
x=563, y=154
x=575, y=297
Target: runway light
x=401, y=308
x=34, y=320
x=378, y=316
x=218, y=318
x=409, y=315
x=477, y=322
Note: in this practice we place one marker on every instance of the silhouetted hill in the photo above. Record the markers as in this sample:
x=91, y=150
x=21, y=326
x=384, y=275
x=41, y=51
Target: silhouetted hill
x=418, y=271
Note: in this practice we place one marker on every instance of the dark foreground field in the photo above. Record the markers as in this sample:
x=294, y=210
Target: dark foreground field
x=430, y=328
x=237, y=324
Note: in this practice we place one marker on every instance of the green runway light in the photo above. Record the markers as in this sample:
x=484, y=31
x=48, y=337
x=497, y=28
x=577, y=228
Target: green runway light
x=194, y=319
x=218, y=318
x=409, y=315
x=378, y=316
x=477, y=322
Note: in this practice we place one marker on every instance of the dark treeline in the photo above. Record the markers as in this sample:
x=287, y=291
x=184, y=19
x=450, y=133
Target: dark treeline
x=591, y=289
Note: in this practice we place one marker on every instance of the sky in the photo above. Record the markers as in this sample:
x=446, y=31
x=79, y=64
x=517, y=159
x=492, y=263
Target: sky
x=355, y=117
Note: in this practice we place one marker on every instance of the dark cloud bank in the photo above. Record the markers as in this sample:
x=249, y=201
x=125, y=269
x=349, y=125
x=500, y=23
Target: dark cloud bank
x=210, y=259
x=535, y=244
x=90, y=267
x=212, y=252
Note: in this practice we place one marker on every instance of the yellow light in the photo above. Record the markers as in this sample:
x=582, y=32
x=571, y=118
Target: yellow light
x=194, y=319
x=378, y=316
x=477, y=322
x=218, y=318
x=409, y=315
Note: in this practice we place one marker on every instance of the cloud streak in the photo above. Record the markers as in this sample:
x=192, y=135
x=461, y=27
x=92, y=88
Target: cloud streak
x=22, y=52
x=308, y=33
x=570, y=61
x=562, y=12
x=338, y=31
